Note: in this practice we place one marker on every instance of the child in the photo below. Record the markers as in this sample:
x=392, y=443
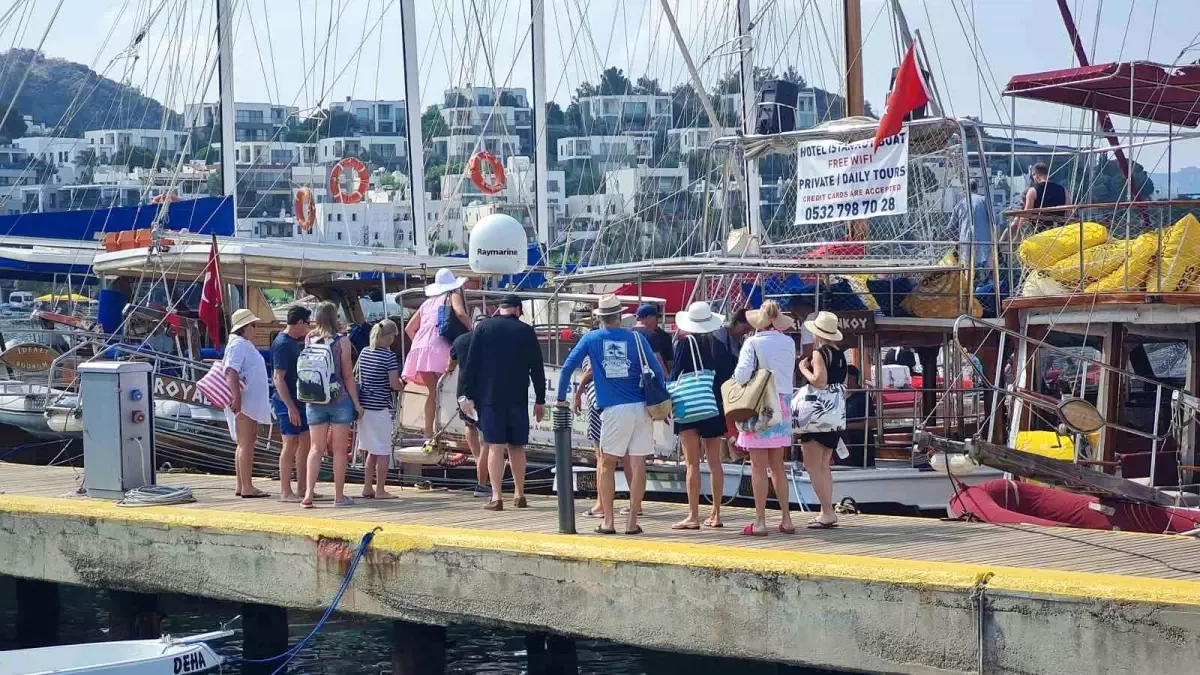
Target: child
x=378, y=377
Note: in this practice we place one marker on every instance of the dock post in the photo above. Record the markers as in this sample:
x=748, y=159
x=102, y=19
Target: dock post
x=37, y=613
x=562, y=658
x=535, y=654
x=264, y=636
x=564, y=474
x=133, y=616
x=418, y=649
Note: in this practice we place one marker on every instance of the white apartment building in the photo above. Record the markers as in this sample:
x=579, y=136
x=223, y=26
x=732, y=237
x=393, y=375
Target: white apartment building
x=640, y=187
x=380, y=117
x=729, y=107
x=688, y=140
x=520, y=185
x=383, y=148
x=460, y=148
x=272, y=153
x=60, y=151
x=502, y=117
x=607, y=153
x=113, y=142
x=585, y=214
x=253, y=121
x=627, y=113
x=444, y=223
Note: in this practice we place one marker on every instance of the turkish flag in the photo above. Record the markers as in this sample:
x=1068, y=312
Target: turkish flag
x=908, y=94
x=210, y=297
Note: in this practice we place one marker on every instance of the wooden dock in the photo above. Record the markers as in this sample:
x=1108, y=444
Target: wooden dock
x=878, y=593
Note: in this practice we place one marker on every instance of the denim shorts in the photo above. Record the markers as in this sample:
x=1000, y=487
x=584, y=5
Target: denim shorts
x=285, y=424
x=340, y=411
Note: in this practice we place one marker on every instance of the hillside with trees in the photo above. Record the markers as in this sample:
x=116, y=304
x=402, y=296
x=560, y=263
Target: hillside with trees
x=71, y=98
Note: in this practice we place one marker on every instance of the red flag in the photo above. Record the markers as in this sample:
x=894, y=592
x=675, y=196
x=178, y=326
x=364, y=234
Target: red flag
x=210, y=297
x=908, y=94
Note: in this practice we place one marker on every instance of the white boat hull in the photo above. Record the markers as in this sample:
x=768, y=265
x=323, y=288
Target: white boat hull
x=879, y=486
x=23, y=405
x=131, y=657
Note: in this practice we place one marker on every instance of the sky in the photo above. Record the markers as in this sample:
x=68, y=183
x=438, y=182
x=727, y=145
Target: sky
x=310, y=52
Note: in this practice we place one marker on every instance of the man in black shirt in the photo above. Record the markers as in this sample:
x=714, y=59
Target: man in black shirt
x=1045, y=194
x=458, y=354
x=648, y=318
x=503, y=360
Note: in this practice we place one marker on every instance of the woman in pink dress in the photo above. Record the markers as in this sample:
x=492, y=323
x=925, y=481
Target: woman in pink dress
x=430, y=352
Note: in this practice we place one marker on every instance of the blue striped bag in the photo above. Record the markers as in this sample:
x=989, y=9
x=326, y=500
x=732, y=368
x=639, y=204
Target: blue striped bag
x=692, y=397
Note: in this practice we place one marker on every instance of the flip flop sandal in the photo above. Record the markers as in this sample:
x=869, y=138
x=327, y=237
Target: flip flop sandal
x=636, y=530
x=818, y=525
x=591, y=513
x=680, y=526
x=787, y=530
x=714, y=525
x=749, y=532
x=344, y=501
x=256, y=495
x=601, y=530
x=452, y=459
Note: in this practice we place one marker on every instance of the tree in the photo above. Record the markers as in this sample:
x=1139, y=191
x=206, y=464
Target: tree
x=554, y=114
x=444, y=247
x=135, y=156
x=215, y=184
x=613, y=82
x=433, y=124
x=338, y=123
x=583, y=180
x=508, y=100
x=686, y=109
x=87, y=161
x=14, y=125
x=433, y=176
x=648, y=85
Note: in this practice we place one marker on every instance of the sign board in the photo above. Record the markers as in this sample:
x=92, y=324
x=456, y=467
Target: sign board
x=847, y=181
x=856, y=323
x=29, y=357
x=175, y=389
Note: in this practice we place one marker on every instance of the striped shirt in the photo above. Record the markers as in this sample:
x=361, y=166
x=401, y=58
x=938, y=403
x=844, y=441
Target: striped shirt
x=374, y=383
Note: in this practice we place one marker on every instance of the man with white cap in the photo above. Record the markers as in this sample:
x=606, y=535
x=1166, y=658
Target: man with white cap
x=246, y=374
x=617, y=355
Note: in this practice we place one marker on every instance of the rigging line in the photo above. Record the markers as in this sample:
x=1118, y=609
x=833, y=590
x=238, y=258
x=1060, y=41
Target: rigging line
x=271, y=56
x=379, y=68
x=303, y=55
x=976, y=54
x=29, y=68
x=258, y=49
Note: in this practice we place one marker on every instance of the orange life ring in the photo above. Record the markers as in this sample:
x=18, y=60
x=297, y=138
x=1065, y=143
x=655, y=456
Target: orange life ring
x=362, y=180
x=164, y=197
x=475, y=170
x=305, y=207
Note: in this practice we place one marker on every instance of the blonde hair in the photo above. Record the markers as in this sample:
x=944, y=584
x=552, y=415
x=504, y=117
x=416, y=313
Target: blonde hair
x=382, y=330
x=769, y=311
x=325, y=320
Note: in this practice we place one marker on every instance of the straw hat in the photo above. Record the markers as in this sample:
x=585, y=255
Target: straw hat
x=444, y=282
x=699, y=319
x=825, y=325
x=242, y=318
x=783, y=322
x=608, y=306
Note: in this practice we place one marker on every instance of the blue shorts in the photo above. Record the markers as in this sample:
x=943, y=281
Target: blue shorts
x=285, y=425
x=504, y=425
x=340, y=411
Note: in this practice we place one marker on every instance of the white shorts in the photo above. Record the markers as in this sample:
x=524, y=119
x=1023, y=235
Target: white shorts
x=375, y=432
x=626, y=429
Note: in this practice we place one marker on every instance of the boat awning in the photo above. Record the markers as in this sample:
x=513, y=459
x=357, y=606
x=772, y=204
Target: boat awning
x=271, y=264
x=1140, y=89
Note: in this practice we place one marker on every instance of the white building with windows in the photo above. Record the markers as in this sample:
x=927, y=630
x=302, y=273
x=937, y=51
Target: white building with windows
x=607, y=153
x=387, y=149
x=253, y=121
x=639, y=188
x=114, y=142
x=58, y=151
x=586, y=214
x=626, y=113
x=374, y=118
x=500, y=117
x=689, y=140
x=521, y=185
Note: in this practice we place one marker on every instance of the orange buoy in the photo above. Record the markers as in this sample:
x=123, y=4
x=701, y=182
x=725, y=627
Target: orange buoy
x=164, y=198
x=305, y=207
x=362, y=180
x=475, y=171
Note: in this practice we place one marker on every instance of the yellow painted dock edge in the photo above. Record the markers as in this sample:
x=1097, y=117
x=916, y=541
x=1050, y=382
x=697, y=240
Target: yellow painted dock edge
x=401, y=538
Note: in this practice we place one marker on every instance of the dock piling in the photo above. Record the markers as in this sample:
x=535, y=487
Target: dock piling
x=37, y=613
x=264, y=635
x=564, y=474
x=551, y=654
x=133, y=616
x=418, y=649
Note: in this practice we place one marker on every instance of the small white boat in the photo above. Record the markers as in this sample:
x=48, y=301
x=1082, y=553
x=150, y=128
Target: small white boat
x=165, y=656
x=26, y=405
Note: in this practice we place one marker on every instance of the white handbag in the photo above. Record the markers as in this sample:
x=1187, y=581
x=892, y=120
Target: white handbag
x=816, y=410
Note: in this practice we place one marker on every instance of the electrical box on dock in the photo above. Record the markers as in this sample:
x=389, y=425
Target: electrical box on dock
x=118, y=427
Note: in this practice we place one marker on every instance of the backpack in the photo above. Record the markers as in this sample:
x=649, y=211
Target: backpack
x=316, y=373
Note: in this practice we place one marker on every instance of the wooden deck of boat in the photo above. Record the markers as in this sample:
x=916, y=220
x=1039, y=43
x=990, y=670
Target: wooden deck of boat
x=883, y=537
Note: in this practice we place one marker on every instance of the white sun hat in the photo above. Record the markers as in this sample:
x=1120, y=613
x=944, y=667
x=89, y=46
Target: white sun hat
x=444, y=282
x=699, y=319
x=608, y=305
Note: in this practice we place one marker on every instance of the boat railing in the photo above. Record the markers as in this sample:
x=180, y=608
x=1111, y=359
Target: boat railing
x=1113, y=247
x=1015, y=389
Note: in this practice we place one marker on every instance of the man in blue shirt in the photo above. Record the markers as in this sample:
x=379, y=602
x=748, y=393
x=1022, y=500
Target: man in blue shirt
x=972, y=213
x=617, y=355
x=293, y=423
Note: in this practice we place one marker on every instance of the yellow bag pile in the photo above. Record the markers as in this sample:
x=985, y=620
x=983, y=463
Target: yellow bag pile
x=1130, y=276
x=1180, y=257
x=1098, y=262
x=939, y=294
x=1046, y=444
x=1038, y=284
x=1047, y=248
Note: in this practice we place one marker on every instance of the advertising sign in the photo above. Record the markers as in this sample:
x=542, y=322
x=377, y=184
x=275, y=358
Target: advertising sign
x=847, y=181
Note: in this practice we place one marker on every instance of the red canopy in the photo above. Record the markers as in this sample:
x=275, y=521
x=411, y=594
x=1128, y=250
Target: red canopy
x=1159, y=93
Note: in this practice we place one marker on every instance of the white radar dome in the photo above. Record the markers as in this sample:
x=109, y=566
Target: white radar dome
x=498, y=245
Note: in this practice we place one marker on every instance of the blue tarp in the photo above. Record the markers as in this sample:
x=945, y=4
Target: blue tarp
x=201, y=216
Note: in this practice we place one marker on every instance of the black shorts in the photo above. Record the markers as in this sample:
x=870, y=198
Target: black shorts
x=829, y=439
x=504, y=425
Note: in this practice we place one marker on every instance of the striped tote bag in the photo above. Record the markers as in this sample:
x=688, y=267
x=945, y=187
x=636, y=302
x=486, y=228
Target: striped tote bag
x=692, y=396
x=215, y=387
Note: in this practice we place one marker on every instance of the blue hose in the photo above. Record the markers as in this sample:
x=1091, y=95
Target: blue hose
x=294, y=651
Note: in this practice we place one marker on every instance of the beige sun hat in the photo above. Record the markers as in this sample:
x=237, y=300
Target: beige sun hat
x=824, y=324
x=608, y=305
x=782, y=322
x=242, y=318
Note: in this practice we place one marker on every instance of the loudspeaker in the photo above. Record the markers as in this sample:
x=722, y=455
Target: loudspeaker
x=776, y=109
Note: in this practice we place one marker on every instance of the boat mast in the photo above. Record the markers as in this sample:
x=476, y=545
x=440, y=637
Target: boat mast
x=226, y=113
x=413, y=132
x=714, y=123
x=749, y=115
x=906, y=39
x=852, y=20
x=540, y=128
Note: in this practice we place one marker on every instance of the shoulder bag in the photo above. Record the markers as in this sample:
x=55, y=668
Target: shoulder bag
x=692, y=396
x=214, y=386
x=819, y=410
x=449, y=325
x=743, y=401
x=658, y=399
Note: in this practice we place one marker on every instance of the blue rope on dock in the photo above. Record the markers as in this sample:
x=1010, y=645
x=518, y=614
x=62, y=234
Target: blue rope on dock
x=25, y=446
x=293, y=652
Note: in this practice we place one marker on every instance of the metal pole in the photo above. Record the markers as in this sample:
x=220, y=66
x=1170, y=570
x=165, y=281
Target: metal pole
x=564, y=475
x=416, y=143
x=753, y=197
x=540, y=128
x=228, y=116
